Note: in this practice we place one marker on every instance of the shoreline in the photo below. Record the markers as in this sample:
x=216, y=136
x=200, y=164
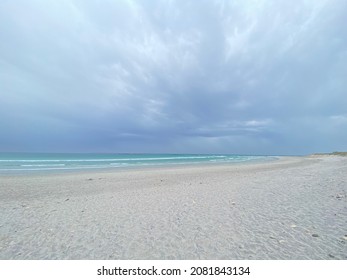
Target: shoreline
x=41, y=164
x=136, y=168
x=291, y=208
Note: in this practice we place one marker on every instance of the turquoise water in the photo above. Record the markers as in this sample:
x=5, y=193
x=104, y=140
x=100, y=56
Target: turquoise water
x=30, y=162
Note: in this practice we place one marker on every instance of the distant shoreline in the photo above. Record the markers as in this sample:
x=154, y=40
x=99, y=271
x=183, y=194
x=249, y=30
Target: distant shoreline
x=343, y=154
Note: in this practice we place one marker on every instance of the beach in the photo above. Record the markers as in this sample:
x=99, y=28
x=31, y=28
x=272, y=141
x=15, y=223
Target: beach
x=291, y=208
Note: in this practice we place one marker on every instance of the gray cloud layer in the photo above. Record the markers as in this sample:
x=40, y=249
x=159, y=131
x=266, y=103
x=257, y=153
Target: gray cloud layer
x=263, y=77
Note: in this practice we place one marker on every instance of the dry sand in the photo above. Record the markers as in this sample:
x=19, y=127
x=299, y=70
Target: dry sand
x=293, y=208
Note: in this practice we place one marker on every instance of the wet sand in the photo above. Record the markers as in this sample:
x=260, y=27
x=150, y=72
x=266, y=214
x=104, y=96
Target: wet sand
x=292, y=208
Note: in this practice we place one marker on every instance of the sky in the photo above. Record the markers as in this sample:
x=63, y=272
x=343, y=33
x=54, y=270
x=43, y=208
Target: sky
x=240, y=77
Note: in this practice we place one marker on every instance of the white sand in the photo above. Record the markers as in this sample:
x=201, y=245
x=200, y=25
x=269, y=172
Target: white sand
x=294, y=208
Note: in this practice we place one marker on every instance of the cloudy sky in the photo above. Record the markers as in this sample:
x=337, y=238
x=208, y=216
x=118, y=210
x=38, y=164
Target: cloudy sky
x=249, y=77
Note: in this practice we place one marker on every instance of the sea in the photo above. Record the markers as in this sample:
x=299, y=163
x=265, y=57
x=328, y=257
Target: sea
x=12, y=163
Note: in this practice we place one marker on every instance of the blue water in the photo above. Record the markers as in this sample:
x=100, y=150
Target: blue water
x=30, y=162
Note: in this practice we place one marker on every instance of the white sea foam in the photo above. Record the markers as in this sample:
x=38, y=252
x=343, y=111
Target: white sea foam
x=110, y=159
x=42, y=165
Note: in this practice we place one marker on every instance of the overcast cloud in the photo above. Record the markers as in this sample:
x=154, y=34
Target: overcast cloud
x=249, y=77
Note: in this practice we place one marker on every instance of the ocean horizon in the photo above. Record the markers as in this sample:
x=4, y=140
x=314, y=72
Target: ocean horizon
x=31, y=162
